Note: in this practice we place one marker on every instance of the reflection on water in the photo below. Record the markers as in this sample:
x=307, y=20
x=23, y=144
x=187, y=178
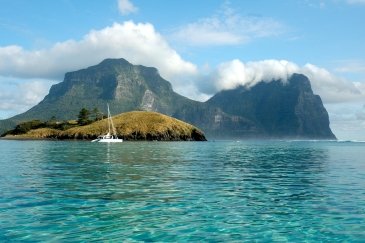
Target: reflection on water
x=182, y=191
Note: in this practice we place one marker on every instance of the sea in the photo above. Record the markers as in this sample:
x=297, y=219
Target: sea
x=215, y=191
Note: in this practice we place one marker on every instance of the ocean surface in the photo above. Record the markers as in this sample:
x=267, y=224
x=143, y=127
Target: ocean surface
x=218, y=191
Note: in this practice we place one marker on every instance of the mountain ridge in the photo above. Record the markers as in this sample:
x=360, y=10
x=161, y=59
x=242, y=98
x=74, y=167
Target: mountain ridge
x=273, y=109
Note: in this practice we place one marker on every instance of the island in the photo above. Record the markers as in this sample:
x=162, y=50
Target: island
x=130, y=126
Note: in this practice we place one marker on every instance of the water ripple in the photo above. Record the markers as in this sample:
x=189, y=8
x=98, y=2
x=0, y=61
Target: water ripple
x=168, y=192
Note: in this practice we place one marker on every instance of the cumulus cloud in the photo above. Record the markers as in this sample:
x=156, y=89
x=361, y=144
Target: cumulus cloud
x=234, y=73
x=331, y=88
x=17, y=95
x=227, y=28
x=138, y=43
x=126, y=7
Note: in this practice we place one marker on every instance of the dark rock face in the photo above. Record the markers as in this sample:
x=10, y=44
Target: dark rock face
x=278, y=110
x=218, y=124
x=267, y=110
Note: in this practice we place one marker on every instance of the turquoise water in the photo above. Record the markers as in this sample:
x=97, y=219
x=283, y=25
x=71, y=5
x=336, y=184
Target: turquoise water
x=182, y=191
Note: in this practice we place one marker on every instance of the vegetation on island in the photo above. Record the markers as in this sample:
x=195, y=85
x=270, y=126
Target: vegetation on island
x=85, y=117
x=136, y=125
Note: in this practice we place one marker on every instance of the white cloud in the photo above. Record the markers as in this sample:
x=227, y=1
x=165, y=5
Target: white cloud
x=231, y=74
x=227, y=28
x=17, y=96
x=126, y=7
x=331, y=88
x=138, y=43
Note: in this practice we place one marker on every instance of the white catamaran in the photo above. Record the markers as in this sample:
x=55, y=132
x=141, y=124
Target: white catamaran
x=109, y=138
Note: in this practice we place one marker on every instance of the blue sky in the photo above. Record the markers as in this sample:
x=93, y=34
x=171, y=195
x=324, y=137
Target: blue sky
x=200, y=46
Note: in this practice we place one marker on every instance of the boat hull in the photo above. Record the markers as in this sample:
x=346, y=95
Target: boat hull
x=107, y=140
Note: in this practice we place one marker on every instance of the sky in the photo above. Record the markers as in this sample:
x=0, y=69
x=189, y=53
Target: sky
x=201, y=47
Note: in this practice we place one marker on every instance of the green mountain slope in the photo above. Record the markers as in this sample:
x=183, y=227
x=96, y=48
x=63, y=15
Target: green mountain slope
x=124, y=86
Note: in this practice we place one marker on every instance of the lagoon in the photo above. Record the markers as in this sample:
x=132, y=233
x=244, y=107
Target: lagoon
x=182, y=191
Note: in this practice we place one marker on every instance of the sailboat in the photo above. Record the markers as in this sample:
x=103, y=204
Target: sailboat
x=109, y=138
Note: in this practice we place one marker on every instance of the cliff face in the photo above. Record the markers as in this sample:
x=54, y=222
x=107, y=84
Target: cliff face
x=278, y=110
x=124, y=86
x=267, y=110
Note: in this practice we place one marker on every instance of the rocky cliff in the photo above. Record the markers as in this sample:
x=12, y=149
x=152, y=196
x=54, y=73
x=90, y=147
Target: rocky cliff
x=273, y=109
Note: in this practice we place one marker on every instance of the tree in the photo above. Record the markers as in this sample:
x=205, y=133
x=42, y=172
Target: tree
x=97, y=114
x=83, y=117
x=25, y=127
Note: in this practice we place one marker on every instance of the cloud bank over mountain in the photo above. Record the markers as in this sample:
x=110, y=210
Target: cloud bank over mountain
x=140, y=43
x=136, y=42
x=332, y=89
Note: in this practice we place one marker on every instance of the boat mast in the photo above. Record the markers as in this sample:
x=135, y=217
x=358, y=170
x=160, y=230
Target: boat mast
x=110, y=122
x=108, y=118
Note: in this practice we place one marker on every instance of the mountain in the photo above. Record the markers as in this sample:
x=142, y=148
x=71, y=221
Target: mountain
x=268, y=110
x=124, y=86
x=273, y=109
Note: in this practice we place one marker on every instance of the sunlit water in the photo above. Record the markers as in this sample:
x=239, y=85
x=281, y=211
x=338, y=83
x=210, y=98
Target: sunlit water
x=182, y=191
